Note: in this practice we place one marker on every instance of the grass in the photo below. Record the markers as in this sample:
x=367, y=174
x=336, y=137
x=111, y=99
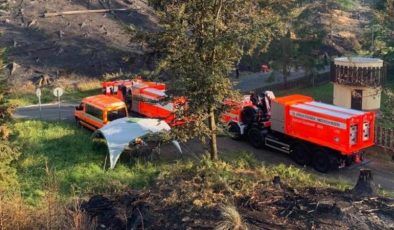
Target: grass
x=323, y=93
x=25, y=95
x=76, y=163
x=245, y=167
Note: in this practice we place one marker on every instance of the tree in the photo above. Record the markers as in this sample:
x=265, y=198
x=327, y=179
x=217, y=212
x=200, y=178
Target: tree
x=199, y=44
x=8, y=153
x=307, y=32
x=382, y=31
x=282, y=53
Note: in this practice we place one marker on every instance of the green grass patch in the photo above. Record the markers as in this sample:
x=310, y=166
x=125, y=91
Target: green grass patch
x=323, y=93
x=77, y=164
x=243, y=167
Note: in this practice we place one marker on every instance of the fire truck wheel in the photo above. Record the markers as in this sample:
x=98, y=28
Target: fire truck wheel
x=78, y=122
x=255, y=138
x=235, y=131
x=301, y=154
x=247, y=115
x=321, y=161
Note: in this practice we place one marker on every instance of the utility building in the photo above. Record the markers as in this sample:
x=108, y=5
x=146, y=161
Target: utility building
x=358, y=82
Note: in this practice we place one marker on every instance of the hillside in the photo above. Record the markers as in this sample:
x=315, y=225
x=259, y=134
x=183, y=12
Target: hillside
x=88, y=44
x=91, y=44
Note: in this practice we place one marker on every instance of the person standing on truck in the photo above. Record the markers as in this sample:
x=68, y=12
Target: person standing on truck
x=254, y=98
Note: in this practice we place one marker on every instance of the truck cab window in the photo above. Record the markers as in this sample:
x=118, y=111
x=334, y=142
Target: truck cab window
x=116, y=114
x=95, y=112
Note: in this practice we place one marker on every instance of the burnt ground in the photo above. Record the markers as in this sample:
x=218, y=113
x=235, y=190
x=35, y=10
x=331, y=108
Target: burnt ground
x=83, y=45
x=192, y=201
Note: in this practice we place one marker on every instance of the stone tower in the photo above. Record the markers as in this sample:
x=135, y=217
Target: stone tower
x=358, y=82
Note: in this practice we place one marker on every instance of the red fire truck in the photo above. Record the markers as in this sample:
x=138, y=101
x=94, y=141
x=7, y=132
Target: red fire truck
x=145, y=98
x=316, y=133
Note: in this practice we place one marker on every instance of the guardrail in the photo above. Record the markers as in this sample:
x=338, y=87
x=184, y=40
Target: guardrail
x=384, y=137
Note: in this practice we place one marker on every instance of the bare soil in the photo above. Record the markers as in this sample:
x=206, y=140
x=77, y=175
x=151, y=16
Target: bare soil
x=186, y=202
x=83, y=45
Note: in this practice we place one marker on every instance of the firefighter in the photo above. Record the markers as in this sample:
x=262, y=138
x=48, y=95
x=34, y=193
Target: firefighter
x=254, y=98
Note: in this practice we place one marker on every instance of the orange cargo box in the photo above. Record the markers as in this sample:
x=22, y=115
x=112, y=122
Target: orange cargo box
x=345, y=130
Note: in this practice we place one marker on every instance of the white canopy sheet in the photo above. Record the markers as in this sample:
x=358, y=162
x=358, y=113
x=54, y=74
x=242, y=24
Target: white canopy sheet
x=120, y=132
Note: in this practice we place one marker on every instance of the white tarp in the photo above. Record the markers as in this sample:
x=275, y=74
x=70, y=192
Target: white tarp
x=120, y=132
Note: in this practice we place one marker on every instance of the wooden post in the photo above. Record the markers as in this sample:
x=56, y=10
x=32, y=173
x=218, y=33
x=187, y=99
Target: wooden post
x=365, y=186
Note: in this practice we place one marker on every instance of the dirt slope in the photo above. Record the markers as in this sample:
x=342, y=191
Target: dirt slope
x=84, y=44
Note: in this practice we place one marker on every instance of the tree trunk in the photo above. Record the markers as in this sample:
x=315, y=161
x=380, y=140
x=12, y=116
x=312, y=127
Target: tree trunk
x=213, y=142
x=285, y=75
x=365, y=186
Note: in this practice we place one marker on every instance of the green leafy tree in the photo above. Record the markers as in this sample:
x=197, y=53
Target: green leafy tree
x=199, y=44
x=8, y=153
x=380, y=36
x=307, y=28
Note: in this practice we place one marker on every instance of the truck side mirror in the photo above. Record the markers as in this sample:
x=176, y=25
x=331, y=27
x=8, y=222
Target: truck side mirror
x=79, y=107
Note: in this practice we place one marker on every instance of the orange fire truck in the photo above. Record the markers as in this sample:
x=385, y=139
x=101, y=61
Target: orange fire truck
x=96, y=111
x=320, y=134
x=145, y=98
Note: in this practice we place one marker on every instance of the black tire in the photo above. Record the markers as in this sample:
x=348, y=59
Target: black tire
x=322, y=161
x=301, y=154
x=78, y=122
x=235, y=131
x=255, y=138
x=248, y=115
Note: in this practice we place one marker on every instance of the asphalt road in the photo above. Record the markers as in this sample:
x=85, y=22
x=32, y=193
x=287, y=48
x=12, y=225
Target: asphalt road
x=383, y=171
x=49, y=112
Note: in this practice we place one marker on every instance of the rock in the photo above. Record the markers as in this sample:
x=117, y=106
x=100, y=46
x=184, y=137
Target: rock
x=197, y=203
x=32, y=23
x=13, y=67
x=61, y=34
x=186, y=219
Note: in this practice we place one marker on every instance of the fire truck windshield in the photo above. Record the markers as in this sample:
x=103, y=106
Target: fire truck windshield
x=116, y=114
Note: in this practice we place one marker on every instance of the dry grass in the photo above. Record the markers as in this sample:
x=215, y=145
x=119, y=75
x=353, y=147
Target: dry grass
x=87, y=85
x=14, y=214
x=26, y=88
x=50, y=214
x=347, y=34
x=78, y=83
x=232, y=220
x=76, y=219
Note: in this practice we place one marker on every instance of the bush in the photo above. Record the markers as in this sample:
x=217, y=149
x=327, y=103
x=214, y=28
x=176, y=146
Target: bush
x=8, y=176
